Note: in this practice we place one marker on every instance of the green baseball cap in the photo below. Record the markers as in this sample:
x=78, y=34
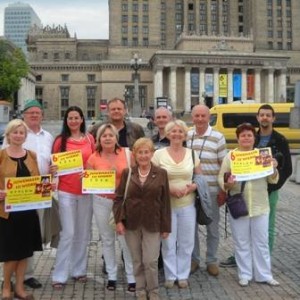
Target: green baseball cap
x=32, y=103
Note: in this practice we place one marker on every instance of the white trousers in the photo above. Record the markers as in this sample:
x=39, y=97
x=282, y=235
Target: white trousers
x=75, y=212
x=101, y=209
x=251, y=244
x=178, y=247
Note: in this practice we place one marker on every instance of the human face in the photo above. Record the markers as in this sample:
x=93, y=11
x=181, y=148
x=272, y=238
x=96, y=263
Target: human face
x=162, y=117
x=143, y=156
x=200, y=118
x=18, y=136
x=116, y=111
x=108, y=140
x=176, y=135
x=246, y=140
x=33, y=117
x=74, y=121
x=265, y=118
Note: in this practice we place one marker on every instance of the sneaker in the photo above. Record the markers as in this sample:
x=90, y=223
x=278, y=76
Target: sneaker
x=273, y=282
x=228, y=263
x=183, y=284
x=169, y=284
x=213, y=269
x=243, y=282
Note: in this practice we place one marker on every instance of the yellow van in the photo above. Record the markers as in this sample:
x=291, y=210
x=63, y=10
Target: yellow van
x=226, y=117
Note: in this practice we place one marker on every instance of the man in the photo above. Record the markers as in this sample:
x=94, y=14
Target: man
x=162, y=117
x=211, y=148
x=129, y=132
x=40, y=141
x=268, y=137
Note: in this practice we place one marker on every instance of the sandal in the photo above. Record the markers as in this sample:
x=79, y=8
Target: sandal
x=81, y=279
x=131, y=287
x=111, y=285
x=58, y=286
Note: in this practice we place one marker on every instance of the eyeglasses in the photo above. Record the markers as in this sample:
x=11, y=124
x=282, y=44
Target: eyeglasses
x=31, y=113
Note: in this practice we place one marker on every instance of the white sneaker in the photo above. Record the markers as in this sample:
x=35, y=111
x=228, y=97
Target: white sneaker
x=243, y=282
x=273, y=282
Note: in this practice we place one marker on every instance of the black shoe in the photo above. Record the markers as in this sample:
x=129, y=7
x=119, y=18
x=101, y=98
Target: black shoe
x=32, y=283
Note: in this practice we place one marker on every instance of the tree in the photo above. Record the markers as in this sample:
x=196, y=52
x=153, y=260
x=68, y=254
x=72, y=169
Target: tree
x=13, y=67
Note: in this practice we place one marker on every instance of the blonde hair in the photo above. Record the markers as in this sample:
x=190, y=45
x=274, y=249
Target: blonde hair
x=141, y=142
x=101, y=131
x=13, y=125
x=174, y=123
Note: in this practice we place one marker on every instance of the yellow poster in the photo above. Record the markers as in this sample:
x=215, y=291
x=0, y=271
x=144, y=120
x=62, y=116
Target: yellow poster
x=98, y=182
x=25, y=193
x=223, y=85
x=254, y=164
x=68, y=162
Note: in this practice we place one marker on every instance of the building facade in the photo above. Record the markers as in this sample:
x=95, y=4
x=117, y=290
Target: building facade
x=192, y=51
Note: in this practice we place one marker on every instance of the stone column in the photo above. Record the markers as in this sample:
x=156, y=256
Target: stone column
x=158, y=83
x=187, y=89
x=257, y=85
x=270, y=85
x=216, y=86
x=201, y=85
x=230, y=85
x=172, y=87
x=282, y=86
x=244, y=84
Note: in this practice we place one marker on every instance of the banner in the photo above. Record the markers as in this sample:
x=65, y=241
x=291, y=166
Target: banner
x=250, y=86
x=26, y=193
x=237, y=85
x=223, y=85
x=209, y=85
x=98, y=182
x=68, y=162
x=254, y=164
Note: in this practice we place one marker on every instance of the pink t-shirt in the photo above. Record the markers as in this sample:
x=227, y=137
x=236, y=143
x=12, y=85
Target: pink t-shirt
x=71, y=183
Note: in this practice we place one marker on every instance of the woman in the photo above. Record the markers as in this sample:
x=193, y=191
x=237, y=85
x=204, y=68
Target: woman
x=109, y=156
x=250, y=233
x=20, y=233
x=146, y=212
x=178, y=161
x=75, y=209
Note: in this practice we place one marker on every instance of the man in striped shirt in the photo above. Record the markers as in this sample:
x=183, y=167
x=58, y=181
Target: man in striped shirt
x=210, y=145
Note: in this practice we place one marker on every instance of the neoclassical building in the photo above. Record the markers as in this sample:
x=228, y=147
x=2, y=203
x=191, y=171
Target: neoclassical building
x=192, y=51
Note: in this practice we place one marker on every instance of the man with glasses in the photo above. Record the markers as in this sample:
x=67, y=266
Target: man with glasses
x=40, y=141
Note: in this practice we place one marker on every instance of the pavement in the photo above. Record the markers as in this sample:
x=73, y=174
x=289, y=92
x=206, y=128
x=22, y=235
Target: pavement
x=285, y=264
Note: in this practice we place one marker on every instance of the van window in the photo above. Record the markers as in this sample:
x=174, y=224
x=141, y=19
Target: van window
x=213, y=120
x=233, y=120
x=282, y=120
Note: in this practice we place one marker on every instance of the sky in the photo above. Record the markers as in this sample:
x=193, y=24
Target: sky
x=87, y=18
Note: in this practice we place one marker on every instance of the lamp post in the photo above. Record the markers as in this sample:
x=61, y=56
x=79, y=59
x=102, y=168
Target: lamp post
x=135, y=64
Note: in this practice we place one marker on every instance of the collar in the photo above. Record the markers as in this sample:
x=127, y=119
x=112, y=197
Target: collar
x=206, y=133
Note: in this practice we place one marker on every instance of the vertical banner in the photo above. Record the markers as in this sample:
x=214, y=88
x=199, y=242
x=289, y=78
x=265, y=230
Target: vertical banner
x=237, y=85
x=209, y=84
x=250, y=86
x=223, y=85
x=194, y=83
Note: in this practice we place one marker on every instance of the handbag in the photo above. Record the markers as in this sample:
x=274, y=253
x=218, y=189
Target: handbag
x=236, y=204
x=111, y=220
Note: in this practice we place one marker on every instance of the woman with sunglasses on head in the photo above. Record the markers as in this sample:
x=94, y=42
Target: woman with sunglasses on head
x=109, y=156
x=75, y=209
x=250, y=233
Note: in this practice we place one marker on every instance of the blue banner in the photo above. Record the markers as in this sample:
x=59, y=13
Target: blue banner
x=237, y=86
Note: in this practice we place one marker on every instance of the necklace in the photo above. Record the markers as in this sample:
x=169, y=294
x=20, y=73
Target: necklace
x=145, y=175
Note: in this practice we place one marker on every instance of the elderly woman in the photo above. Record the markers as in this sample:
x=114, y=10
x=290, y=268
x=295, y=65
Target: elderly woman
x=144, y=216
x=109, y=156
x=20, y=233
x=250, y=233
x=178, y=162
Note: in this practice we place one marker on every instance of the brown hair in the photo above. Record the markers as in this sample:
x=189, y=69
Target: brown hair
x=243, y=127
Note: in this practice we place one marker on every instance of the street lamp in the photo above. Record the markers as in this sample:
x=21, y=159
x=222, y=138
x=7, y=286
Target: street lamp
x=135, y=64
x=126, y=97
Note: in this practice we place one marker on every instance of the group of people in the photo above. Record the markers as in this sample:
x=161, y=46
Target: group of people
x=153, y=204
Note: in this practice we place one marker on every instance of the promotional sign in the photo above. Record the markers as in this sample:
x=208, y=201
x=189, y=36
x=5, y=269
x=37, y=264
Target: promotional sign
x=26, y=193
x=254, y=164
x=223, y=85
x=250, y=86
x=237, y=85
x=98, y=182
x=209, y=85
x=68, y=162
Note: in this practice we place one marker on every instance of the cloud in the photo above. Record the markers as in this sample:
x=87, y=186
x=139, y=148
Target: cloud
x=88, y=19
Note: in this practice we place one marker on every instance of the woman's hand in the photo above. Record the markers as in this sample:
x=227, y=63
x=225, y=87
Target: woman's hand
x=53, y=170
x=230, y=182
x=2, y=195
x=178, y=193
x=164, y=235
x=191, y=187
x=120, y=228
x=274, y=163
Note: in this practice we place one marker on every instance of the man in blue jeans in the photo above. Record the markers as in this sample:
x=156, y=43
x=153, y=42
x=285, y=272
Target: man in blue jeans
x=268, y=137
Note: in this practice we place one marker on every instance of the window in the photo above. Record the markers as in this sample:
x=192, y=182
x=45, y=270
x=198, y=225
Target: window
x=45, y=55
x=134, y=42
x=145, y=19
x=288, y=13
x=67, y=55
x=38, y=77
x=288, y=24
x=124, y=7
x=124, y=29
x=270, y=45
x=163, y=16
x=191, y=6
x=270, y=13
x=65, y=77
x=289, y=34
x=64, y=99
x=178, y=17
x=241, y=9
x=270, y=33
x=279, y=23
x=279, y=34
x=124, y=18
x=91, y=101
x=135, y=18
x=270, y=23
x=191, y=17
x=279, y=3
x=124, y=42
x=56, y=56
x=135, y=30
x=202, y=7
x=39, y=94
x=289, y=46
x=145, y=7
x=135, y=7
x=91, y=77
x=145, y=42
x=241, y=19
x=279, y=12
x=288, y=3
x=178, y=6
x=146, y=29
x=279, y=46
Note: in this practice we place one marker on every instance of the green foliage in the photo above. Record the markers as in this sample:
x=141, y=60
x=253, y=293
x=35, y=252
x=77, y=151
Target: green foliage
x=13, y=67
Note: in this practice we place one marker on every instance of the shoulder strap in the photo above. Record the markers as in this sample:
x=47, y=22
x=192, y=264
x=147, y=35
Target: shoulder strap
x=127, y=185
x=127, y=153
x=243, y=186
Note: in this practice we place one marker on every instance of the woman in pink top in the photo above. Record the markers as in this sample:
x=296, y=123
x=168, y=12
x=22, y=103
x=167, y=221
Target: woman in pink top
x=75, y=209
x=110, y=156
